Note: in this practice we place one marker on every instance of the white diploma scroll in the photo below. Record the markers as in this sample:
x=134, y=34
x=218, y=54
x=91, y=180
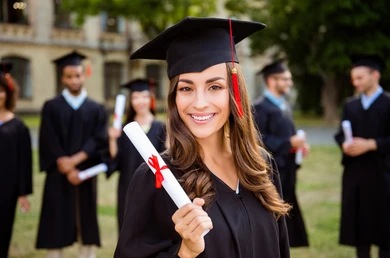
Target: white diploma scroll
x=93, y=171
x=347, y=129
x=299, y=153
x=119, y=110
x=146, y=149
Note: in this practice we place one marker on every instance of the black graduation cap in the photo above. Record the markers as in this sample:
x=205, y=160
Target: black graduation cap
x=373, y=61
x=72, y=59
x=138, y=85
x=276, y=67
x=194, y=44
x=5, y=67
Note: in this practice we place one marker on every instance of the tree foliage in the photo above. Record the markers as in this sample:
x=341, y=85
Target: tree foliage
x=153, y=15
x=318, y=36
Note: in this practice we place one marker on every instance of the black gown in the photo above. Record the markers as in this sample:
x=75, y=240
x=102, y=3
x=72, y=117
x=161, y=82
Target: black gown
x=67, y=209
x=365, y=215
x=242, y=227
x=128, y=160
x=276, y=127
x=16, y=175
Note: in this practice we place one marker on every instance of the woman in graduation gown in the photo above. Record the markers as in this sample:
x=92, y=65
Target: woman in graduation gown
x=214, y=152
x=126, y=158
x=15, y=159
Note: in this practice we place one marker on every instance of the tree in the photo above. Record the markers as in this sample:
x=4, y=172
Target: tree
x=318, y=37
x=153, y=15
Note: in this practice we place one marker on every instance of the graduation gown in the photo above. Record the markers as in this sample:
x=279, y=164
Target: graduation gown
x=365, y=215
x=128, y=160
x=16, y=175
x=67, y=210
x=242, y=227
x=276, y=127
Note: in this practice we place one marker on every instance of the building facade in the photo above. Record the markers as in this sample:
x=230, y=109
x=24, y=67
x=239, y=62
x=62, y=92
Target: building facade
x=35, y=32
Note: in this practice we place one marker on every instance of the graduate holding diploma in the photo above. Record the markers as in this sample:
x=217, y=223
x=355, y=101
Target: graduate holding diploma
x=365, y=211
x=125, y=157
x=273, y=117
x=72, y=138
x=214, y=153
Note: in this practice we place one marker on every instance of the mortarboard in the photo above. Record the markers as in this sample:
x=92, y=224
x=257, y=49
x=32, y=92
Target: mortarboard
x=138, y=85
x=274, y=68
x=5, y=68
x=73, y=59
x=194, y=44
x=141, y=85
x=372, y=61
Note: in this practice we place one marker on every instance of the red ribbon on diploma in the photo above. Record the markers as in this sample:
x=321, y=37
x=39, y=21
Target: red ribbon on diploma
x=153, y=161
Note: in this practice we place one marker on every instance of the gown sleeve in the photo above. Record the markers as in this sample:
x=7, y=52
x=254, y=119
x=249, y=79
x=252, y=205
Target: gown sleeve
x=284, y=244
x=148, y=229
x=265, y=121
x=25, y=162
x=339, y=136
x=49, y=144
x=97, y=144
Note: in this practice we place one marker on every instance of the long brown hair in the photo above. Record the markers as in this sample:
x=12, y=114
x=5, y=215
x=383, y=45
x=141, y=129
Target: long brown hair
x=253, y=170
x=12, y=94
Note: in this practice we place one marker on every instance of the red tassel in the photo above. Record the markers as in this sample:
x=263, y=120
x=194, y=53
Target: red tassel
x=9, y=82
x=236, y=91
x=152, y=103
x=88, y=68
x=152, y=98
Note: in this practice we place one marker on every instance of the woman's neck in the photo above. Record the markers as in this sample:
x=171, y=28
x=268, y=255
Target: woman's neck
x=5, y=114
x=144, y=119
x=216, y=144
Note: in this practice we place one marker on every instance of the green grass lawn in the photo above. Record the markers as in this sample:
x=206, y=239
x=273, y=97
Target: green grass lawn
x=318, y=193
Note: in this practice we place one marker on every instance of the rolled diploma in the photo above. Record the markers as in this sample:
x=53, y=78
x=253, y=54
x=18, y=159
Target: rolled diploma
x=299, y=153
x=146, y=149
x=347, y=129
x=92, y=171
x=119, y=110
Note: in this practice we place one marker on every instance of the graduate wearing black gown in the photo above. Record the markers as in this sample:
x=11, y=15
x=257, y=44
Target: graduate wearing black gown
x=213, y=151
x=365, y=217
x=274, y=120
x=15, y=160
x=73, y=137
x=127, y=158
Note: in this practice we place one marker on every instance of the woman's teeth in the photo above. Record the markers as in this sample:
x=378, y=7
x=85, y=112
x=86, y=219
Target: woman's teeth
x=202, y=118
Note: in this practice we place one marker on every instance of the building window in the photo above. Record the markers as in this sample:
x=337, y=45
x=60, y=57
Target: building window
x=113, y=78
x=21, y=72
x=63, y=19
x=113, y=24
x=153, y=72
x=13, y=11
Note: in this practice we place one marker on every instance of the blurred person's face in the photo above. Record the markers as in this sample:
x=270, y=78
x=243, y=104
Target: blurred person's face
x=282, y=83
x=364, y=79
x=73, y=78
x=141, y=102
x=3, y=97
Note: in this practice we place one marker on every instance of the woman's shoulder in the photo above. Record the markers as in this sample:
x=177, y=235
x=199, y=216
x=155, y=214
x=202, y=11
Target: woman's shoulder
x=158, y=123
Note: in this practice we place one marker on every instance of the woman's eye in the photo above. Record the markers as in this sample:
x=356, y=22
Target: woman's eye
x=215, y=87
x=184, y=89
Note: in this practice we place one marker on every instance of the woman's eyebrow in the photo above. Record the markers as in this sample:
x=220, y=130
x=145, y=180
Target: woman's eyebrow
x=215, y=79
